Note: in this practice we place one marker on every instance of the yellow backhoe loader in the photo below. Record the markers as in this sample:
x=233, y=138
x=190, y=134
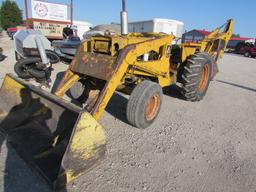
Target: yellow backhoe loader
x=62, y=140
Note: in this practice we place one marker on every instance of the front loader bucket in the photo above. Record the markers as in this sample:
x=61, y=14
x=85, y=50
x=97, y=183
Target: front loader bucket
x=58, y=139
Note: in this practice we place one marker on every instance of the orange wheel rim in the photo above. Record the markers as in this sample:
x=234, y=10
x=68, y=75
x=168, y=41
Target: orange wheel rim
x=204, y=78
x=152, y=107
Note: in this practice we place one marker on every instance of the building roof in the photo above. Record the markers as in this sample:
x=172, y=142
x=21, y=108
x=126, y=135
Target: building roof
x=203, y=32
x=240, y=38
x=232, y=38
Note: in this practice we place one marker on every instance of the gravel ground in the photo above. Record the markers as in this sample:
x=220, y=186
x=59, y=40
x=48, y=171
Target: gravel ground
x=202, y=146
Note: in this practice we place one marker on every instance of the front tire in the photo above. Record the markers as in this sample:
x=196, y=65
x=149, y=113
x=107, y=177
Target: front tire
x=144, y=104
x=196, y=76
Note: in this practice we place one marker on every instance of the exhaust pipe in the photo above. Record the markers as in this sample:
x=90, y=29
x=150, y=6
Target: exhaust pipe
x=124, y=19
x=41, y=50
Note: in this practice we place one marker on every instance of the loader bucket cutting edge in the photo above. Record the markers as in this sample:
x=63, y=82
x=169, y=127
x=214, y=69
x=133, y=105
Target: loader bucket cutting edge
x=58, y=139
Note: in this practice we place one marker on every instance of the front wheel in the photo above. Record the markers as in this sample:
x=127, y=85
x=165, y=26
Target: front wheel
x=144, y=104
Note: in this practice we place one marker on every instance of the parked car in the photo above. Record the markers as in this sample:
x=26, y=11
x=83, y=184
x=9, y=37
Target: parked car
x=250, y=52
x=11, y=31
x=247, y=49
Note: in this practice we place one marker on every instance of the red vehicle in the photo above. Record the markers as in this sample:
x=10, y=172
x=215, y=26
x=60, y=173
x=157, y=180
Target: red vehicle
x=11, y=31
x=250, y=51
x=247, y=49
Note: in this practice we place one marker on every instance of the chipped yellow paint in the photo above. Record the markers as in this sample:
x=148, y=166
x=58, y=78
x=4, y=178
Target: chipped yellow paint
x=70, y=175
x=11, y=85
x=67, y=82
x=89, y=135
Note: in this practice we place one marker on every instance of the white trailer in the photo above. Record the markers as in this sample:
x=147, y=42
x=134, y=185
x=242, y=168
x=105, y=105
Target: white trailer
x=157, y=25
x=81, y=27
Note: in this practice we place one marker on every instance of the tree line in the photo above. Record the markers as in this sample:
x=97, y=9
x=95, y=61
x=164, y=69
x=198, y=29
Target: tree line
x=10, y=14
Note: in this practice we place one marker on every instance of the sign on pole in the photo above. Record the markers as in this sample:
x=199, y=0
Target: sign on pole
x=49, y=11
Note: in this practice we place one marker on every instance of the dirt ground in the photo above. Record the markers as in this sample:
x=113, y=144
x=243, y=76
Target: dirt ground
x=207, y=146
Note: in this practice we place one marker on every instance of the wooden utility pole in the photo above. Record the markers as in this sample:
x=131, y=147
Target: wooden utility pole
x=71, y=11
x=26, y=12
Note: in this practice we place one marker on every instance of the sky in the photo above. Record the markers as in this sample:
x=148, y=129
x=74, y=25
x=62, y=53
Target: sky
x=196, y=14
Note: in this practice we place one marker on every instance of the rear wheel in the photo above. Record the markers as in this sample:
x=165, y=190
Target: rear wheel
x=196, y=76
x=247, y=54
x=144, y=104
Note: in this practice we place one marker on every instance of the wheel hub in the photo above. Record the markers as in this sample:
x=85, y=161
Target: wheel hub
x=152, y=107
x=204, y=78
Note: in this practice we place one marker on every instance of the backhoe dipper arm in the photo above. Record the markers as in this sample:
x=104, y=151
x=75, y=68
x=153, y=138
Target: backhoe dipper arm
x=225, y=34
x=216, y=42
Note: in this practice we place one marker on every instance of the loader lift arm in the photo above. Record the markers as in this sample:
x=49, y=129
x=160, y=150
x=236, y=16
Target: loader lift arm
x=126, y=60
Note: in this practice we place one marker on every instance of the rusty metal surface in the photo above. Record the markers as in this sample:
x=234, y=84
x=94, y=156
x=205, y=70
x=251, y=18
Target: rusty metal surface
x=96, y=65
x=106, y=89
x=31, y=123
x=40, y=127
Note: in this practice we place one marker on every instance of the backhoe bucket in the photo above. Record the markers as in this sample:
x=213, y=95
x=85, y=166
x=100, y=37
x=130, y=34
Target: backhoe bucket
x=58, y=139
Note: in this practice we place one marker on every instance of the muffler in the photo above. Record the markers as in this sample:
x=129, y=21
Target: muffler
x=124, y=19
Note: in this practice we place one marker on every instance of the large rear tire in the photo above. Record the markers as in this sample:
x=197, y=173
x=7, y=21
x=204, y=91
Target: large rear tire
x=196, y=76
x=144, y=104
